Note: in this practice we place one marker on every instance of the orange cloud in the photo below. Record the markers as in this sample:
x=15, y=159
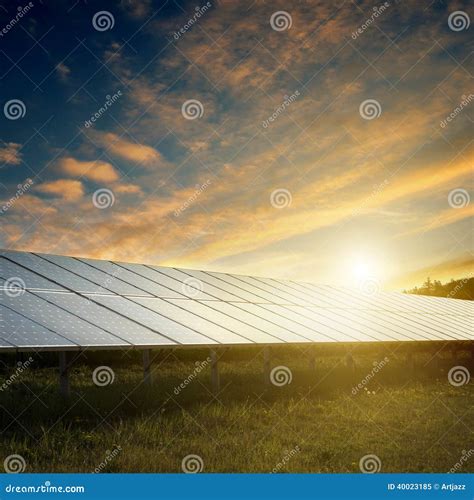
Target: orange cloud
x=68, y=190
x=97, y=171
x=10, y=153
x=132, y=151
x=128, y=189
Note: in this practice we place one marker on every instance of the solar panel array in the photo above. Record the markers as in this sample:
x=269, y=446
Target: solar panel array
x=51, y=302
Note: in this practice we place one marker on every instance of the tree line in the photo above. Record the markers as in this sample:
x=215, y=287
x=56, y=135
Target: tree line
x=454, y=289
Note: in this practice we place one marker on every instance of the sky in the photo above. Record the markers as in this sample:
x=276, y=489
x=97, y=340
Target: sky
x=308, y=140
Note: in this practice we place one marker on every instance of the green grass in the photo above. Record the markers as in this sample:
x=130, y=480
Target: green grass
x=412, y=422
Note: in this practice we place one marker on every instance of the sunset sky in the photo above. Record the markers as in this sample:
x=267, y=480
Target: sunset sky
x=332, y=189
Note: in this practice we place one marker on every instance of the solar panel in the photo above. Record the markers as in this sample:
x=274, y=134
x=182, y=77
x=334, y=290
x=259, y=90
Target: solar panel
x=269, y=327
x=110, y=282
x=52, y=302
x=206, y=311
x=108, y=320
x=25, y=278
x=174, y=331
x=178, y=314
x=159, y=277
x=60, y=321
x=192, y=284
x=239, y=293
x=143, y=284
x=54, y=273
x=19, y=331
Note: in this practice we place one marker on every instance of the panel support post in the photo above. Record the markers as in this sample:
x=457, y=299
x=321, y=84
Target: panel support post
x=215, y=379
x=266, y=365
x=146, y=367
x=63, y=375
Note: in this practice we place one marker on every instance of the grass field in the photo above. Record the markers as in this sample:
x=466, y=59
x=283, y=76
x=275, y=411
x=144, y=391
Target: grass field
x=412, y=421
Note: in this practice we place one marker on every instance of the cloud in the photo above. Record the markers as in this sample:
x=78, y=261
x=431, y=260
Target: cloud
x=67, y=189
x=137, y=9
x=333, y=162
x=131, y=151
x=63, y=71
x=10, y=153
x=128, y=189
x=97, y=171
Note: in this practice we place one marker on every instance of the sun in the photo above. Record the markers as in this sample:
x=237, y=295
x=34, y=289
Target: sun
x=364, y=267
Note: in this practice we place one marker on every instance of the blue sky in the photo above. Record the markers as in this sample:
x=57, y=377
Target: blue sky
x=363, y=170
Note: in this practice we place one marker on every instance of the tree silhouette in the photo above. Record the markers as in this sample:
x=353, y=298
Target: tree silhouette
x=455, y=289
